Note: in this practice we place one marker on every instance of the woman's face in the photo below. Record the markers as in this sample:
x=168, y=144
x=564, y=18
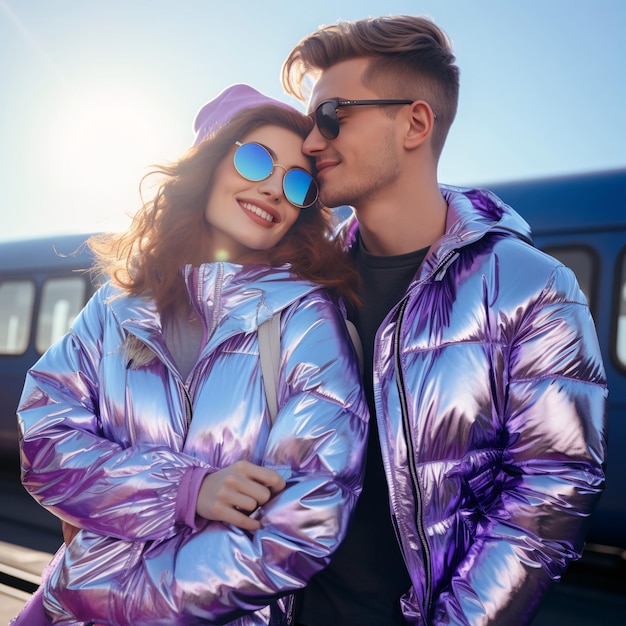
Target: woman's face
x=245, y=216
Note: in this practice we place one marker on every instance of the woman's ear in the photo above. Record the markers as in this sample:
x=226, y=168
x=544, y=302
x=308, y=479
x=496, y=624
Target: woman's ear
x=421, y=122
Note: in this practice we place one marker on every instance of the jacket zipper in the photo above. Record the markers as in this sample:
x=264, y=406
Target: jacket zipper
x=179, y=381
x=290, y=605
x=188, y=407
x=417, y=492
x=438, y=275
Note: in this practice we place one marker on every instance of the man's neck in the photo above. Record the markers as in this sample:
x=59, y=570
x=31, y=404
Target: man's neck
x=402, y=223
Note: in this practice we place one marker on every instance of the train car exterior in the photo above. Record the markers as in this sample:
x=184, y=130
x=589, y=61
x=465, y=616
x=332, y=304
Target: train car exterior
x=43, y=286
x=580, y=220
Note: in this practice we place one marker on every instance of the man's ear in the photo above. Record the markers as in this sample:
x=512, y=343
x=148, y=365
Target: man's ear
x=421, y=122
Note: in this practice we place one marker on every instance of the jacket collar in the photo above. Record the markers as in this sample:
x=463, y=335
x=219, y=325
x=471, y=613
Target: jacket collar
x=234, y=298
x=230, y=298
x=472, y=213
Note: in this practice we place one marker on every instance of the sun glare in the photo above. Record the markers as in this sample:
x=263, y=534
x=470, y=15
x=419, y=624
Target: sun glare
x=100, y=145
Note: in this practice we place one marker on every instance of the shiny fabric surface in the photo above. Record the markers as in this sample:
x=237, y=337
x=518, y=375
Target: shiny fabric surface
x=106, y=445
x=490, y=401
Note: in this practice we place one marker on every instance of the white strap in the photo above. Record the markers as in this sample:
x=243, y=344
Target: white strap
x=356, y=341
x=269, y=355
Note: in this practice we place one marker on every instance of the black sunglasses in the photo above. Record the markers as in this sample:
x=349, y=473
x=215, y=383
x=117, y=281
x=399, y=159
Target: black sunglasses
x=326, y=113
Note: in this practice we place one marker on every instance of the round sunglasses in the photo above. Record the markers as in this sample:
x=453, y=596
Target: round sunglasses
x=255, y=163
x=326, y=113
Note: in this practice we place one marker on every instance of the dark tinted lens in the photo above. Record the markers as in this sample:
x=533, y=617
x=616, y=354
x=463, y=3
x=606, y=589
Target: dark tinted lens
x=253, y=161
x=300, y=188
x=326, y=119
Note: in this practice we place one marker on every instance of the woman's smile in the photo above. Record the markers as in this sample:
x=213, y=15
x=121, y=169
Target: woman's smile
x=255, y=211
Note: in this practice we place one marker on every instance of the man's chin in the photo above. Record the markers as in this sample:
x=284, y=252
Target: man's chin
x=332, y=200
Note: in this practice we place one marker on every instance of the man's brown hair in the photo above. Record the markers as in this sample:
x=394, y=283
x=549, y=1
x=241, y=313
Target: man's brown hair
x=410, y=56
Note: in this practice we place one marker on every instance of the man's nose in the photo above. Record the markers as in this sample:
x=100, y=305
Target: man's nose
x=314, y=142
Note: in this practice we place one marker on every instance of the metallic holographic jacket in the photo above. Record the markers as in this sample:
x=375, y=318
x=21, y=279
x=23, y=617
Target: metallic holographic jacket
x=490, y=402
x=119, y=450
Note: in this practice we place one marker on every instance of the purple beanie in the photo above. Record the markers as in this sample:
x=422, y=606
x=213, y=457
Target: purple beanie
x=219, y=111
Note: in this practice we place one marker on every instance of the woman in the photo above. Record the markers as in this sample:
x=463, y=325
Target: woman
x=147, y=427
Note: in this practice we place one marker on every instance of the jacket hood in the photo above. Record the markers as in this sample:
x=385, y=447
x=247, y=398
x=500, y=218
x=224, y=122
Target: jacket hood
x=472, y=213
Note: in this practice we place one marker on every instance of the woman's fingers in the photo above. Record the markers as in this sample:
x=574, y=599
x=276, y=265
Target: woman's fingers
x=230, y=493
x=243, y=502
x=262, y=475
x=240, y=519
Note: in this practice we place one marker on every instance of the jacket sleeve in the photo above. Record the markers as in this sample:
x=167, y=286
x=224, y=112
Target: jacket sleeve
x=552, y=471
x=68, y=464
x=221, y=572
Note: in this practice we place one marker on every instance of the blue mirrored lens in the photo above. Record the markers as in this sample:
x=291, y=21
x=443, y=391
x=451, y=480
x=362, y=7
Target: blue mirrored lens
x=300, y=188
x=253, y=161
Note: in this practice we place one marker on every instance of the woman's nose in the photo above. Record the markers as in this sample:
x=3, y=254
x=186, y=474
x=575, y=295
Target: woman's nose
x=272, y=186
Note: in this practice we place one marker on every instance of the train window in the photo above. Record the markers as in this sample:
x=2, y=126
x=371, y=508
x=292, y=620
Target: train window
x=16, y=311
x=621, y=318
x=582, y=262
x=61, y=301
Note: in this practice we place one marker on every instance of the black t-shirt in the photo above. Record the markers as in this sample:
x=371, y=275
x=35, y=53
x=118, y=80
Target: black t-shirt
x=367, y=576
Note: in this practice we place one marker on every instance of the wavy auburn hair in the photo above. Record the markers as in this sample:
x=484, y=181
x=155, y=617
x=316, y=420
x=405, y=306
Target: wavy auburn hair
x=169, y=231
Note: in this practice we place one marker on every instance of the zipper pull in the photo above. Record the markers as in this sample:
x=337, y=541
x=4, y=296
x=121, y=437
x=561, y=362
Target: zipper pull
x=451, y=257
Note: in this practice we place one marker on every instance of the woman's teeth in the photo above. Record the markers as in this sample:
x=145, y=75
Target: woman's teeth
x=257, y=211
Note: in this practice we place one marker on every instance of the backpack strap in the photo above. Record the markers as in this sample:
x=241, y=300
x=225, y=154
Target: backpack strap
x=269, y=355
x=356, y=341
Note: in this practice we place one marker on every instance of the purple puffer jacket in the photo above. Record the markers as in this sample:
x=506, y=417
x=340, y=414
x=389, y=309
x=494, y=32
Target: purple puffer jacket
x=490, y=402
x=120, y=450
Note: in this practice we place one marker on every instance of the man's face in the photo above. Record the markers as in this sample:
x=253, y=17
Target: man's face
x=363, y=160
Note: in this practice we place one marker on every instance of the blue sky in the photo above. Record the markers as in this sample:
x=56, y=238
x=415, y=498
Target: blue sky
x=94, y=91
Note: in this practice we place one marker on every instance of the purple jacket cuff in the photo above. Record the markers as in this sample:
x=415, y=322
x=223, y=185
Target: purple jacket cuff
x=188, y=497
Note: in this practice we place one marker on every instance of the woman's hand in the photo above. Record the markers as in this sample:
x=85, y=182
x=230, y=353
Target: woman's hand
x=231, y=494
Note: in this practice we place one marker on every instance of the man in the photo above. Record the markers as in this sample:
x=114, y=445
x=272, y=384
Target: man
x=485, y=381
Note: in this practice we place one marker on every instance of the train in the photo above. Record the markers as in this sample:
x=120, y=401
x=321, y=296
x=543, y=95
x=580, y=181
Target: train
x=579, y=219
